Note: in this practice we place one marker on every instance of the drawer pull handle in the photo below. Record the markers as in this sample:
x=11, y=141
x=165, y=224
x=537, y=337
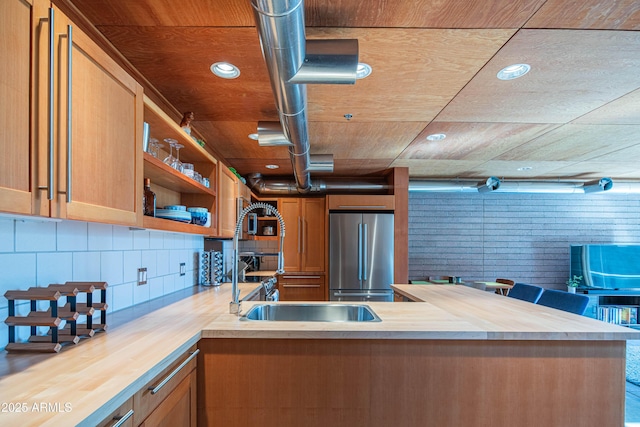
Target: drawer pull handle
x=157, y=388
x=301, y=286
x=301, y=277
x=122, y=419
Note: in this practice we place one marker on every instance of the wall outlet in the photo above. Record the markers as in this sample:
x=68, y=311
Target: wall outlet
x=183, y=268
x=142, y=276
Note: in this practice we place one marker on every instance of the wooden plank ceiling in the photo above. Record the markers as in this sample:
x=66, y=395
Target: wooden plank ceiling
x=576, y=115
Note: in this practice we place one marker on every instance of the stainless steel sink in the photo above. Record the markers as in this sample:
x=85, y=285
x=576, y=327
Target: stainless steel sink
x=312, y=313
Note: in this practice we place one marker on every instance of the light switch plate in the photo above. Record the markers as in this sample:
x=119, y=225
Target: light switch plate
x=183, y=268
x=142, y=276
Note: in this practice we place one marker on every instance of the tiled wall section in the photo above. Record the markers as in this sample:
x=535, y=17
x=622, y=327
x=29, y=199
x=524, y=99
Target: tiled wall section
x=524, y=237
x=41, y=253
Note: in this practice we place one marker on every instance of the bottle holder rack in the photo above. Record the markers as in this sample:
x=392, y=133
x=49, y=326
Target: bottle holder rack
x=70, y=312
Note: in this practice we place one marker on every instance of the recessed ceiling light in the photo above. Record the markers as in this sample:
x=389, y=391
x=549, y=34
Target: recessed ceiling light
x=436, y=137
x=271, y=166
x=363, y=70
x=253, y=136
x=525, y=168
x=513, y=71
x=225, y=70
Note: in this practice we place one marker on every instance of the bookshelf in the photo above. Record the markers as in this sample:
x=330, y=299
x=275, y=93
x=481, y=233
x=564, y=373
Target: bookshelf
x=620, y=308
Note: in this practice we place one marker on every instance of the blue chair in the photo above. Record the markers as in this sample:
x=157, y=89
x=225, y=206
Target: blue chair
x=524, y=292
x=573, y=303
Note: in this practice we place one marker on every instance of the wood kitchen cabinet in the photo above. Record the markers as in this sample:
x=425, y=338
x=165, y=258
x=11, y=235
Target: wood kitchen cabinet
x=15, y=68
x=304, y=241
x=227, y=188
x=122, y=415
x=302, y=287
x=72, y=148
x=170, y=399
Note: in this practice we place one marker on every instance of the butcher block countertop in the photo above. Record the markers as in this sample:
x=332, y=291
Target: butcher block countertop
x=96, y=377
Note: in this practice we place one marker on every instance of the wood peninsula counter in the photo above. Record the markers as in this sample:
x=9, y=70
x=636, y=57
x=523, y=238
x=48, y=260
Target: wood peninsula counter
x=460, y=357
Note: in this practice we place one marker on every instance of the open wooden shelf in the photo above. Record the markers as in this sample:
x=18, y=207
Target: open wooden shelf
x=162, y=126
x=164, y=175
x=176, y=226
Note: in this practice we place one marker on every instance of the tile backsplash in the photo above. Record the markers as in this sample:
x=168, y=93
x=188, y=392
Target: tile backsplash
x=36, y=253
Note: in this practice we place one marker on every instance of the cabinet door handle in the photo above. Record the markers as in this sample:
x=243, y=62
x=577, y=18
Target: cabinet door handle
x=69, y=107
x=299, y=235
x=50, y=105
x=300, y=277
x=162, y=383
x=120, y=420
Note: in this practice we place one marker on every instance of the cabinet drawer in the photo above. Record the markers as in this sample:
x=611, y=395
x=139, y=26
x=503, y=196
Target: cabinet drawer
x=300, y=287
x=383, y=202
x=121, y=417
x=157, y=390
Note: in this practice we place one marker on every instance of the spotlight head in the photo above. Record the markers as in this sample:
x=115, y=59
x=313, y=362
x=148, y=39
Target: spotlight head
x=603, y=184
x=492, y=184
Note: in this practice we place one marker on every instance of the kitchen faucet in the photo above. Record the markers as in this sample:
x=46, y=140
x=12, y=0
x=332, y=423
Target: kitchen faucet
x=234, y=305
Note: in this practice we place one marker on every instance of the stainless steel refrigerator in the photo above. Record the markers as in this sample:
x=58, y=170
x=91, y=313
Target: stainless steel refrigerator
x=360, y=256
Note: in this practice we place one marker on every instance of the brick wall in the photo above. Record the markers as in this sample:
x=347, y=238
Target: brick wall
x=524, y=237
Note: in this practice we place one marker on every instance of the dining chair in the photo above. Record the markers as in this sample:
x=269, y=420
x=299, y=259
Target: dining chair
x=573, y=303
x=525, y=292
x=504, y=282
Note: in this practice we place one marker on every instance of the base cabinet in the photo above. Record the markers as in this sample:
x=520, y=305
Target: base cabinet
x=122, y=417
x=302, y=287
x=170, y=398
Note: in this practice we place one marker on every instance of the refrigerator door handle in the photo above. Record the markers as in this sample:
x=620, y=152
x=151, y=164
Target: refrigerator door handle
x=364, y=251
x=359, y=251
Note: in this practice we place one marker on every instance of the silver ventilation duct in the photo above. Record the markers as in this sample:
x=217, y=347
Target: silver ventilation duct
x=567, y=187
x=281, y=29
x=286, y=187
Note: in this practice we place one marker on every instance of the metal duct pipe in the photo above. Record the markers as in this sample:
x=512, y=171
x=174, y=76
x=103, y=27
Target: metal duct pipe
x=509, y=186
x=281, y=29
x=284, y=187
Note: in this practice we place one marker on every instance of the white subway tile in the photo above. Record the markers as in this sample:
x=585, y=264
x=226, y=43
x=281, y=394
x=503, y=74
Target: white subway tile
x=156, y=287
x=18, y=272
x=156, y=240
x=111, y=266
x=162, y=263
x=4, y=329
x=141, y=240
x=72, y=236
x=148, y=260
x=100, y=237
x=35, y=236
x=122, y=296
x=175, y=258
x=140, y=293
x=86, y=266
x=7, y=236
x=169, y=284
x=179, y=282
x=132, y=261
x=53, y=268
x=122, y=238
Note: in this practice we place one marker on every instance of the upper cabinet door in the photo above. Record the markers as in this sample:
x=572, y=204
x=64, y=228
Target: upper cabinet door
x=313, y=234
x=227, y=187
x=290, y=211
x=98, y=128
x=15, y=43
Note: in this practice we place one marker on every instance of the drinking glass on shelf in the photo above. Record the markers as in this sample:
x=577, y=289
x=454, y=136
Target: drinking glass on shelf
x=172, y=143
x=154, y=147
x=176, y=163
x=187, y=169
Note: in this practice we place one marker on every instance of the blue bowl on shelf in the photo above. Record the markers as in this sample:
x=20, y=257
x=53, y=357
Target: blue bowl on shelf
x=176, y=208
x=199, y=218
